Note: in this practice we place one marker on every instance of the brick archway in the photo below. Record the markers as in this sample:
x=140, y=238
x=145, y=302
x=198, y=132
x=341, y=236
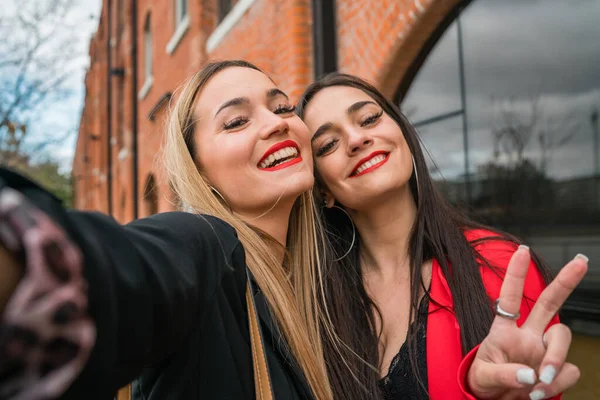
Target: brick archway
x=386, y=41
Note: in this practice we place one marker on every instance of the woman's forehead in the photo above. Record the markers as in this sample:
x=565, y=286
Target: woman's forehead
x=231, y=83
x=331, y=101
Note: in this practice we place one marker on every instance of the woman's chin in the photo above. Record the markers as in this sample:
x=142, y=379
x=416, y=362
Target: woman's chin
x=299, y=183
x=286, y=190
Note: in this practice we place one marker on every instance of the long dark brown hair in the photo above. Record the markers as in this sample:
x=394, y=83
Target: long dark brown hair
x=438, y=233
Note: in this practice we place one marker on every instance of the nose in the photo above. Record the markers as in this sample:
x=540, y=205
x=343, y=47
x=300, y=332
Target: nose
x=273, y=125
x=358, y=140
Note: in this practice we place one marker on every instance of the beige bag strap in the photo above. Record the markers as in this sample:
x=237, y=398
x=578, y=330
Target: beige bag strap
x=124, y=393
x=262, y=379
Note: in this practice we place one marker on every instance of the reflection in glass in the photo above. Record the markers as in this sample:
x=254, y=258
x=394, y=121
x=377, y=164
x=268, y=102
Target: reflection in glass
x=442, y=145
x=436, y=91
x=532, y=97
x=532, y=87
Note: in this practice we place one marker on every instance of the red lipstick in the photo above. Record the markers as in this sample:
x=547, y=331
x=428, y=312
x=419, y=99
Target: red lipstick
x=276, y=147
x=371, y=168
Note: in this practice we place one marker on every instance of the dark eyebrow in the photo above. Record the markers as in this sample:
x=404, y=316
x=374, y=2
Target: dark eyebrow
x=322, y=129
x=233, y=102
x=352, y=109
x=276, y=92
x=358, y=105
x=244, y=100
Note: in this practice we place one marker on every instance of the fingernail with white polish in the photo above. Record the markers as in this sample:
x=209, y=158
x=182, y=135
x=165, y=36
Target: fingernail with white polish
x=583, y=257
x=547, y=375
x=526, y=376
x=523, y=247
x=537, y=395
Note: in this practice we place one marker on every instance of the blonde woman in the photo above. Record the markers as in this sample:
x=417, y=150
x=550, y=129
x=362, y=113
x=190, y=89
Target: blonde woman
x=163, y=298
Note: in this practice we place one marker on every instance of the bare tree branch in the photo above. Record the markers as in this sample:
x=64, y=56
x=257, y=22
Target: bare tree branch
x=518, y=123
x=37, y=57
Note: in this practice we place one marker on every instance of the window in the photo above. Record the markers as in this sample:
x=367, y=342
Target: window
x=148, y=48
x=507, y=105
x=148, y=78
x=229, y=13
x=181, y=11
x=182, y=23
x=223, y=8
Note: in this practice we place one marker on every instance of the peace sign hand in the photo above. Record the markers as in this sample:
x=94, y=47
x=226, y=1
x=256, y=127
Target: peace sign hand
x=511, y=359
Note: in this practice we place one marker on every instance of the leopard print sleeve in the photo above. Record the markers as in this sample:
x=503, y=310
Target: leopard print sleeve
x=46, y=334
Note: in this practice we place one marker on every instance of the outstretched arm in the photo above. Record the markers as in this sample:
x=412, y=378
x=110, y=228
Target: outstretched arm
x=138, y=289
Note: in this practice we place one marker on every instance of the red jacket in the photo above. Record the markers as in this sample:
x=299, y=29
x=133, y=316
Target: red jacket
x=446, y=366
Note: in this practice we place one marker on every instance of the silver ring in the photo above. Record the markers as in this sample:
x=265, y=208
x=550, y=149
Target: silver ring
x=500, y=312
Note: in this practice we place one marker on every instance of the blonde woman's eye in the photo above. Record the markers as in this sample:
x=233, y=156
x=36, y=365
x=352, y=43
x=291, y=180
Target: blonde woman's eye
x=235, y=123
x=371, y=119
x=284, y=109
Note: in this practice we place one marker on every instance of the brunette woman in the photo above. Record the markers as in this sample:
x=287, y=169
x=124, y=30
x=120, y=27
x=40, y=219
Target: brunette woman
x=414, y=290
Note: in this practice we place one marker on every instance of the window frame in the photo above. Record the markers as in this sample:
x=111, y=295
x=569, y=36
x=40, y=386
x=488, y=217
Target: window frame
x=148, y=58
x=182, y=24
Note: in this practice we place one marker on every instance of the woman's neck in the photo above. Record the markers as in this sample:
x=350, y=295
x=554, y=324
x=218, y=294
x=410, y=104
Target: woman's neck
x=385, y=234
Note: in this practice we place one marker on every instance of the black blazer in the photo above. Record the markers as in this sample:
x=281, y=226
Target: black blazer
x=168, y=296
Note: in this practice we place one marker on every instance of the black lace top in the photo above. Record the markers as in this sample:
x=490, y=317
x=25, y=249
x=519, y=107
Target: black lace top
x=401, y=382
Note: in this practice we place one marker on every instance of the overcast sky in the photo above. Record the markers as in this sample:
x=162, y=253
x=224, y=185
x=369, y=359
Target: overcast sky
x=515, y=51
x=56, y=118
x=87, y=14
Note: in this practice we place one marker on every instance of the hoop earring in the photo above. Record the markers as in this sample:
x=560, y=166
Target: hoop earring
x=353, y=233
x=216, y=192
x=416, y=180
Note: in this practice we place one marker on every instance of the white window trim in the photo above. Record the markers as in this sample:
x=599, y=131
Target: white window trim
x=178, y=11
x=146, y=88
x=123, y=153
x=182, y=28
x=232, y=18
x=148, y=52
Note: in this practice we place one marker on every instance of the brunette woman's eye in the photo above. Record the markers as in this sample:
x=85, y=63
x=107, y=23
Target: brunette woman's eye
x=326, y=147
x=235, y=123
x=371, y=119
x=284, y=109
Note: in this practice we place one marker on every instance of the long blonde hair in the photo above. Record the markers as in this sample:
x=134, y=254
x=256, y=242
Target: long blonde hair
x=289, y=291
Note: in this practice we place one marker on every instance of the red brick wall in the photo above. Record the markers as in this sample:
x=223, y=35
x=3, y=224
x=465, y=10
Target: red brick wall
x=276, y=35
x=377, y=39
x=90, y=162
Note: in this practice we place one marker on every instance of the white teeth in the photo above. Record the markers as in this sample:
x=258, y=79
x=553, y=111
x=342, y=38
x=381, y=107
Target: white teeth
x=368, y=164
x=278, y=155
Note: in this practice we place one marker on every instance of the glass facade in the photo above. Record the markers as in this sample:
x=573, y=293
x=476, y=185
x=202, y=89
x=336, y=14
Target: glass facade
x=506, y=105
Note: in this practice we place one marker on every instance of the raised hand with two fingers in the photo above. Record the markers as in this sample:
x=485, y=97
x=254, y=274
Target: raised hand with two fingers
x=527, y=361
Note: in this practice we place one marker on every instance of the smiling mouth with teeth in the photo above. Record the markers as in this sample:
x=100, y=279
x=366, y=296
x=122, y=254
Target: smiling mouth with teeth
x=280, y=159
x=369, y=163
